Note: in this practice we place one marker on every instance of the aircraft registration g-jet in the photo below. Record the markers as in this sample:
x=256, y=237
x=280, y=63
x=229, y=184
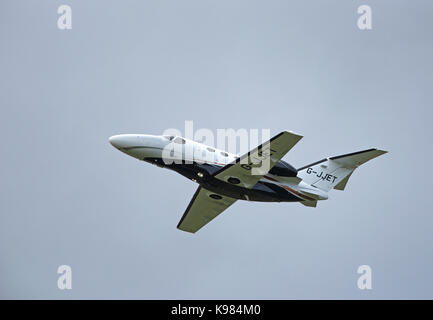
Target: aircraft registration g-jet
x=227, y=177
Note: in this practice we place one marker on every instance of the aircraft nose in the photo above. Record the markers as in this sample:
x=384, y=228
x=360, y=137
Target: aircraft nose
x=138, y=146
x=117, y=141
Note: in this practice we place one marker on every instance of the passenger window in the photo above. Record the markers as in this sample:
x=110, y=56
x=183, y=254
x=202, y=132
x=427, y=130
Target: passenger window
x=225, y=154
x=169, y=138
x=179, y=140
x=210, y=150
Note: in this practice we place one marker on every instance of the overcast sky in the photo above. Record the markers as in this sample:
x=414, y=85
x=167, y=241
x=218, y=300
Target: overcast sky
x=68, y=197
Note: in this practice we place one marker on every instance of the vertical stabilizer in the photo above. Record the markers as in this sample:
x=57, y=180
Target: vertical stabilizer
x=334, y=172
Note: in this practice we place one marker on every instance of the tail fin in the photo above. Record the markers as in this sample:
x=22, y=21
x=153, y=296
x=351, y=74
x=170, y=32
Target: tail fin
x=334, y=172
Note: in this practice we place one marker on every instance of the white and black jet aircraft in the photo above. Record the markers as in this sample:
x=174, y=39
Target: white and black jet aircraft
x=259, y=175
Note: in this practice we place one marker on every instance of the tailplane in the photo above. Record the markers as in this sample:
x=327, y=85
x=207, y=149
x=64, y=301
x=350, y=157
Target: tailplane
x=334, y=172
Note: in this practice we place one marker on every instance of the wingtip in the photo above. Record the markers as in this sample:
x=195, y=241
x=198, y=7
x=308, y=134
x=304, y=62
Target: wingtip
x=185, y=230
x=381, y=151
x=294, y=134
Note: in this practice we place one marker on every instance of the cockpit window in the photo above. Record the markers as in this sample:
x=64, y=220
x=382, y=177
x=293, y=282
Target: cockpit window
x=179, y=140
x=169, y=138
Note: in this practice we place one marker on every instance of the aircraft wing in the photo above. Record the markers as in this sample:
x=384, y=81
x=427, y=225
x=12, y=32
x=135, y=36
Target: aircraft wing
x=204, y=207
x=247, y=170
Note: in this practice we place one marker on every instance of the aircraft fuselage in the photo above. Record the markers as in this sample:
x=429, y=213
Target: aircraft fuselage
x=199, y=167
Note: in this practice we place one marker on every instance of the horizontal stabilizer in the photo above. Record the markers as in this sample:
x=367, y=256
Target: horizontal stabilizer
x=342, y=184
x=309, y=203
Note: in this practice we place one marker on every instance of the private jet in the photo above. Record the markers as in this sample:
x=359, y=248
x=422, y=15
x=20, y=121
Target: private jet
x=258, y=175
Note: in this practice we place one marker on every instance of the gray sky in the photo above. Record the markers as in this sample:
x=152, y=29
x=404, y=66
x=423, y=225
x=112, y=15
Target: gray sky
x=68, y=197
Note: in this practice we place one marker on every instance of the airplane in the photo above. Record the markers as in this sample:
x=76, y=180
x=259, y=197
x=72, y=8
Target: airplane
x=258, y=175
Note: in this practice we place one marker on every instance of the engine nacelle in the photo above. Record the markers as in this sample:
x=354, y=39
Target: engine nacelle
x=283, y=169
